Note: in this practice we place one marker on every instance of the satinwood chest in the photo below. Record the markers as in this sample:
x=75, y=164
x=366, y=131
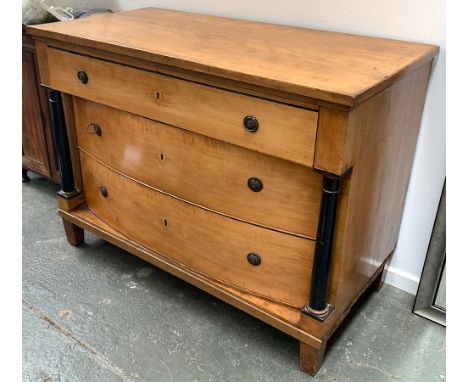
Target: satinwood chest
x=267, y=165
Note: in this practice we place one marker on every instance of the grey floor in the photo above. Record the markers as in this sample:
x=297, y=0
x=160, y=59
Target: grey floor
x=96, y=313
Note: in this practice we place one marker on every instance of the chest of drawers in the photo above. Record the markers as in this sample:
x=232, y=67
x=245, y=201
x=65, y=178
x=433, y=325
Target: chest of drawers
x=265, y=164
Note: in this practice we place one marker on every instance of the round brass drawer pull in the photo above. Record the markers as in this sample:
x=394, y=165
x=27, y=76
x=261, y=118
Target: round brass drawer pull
x=94, y=128
x=255, y=184
x=254, y=259
x=82, y=76
x=103, y=191
x=250, y=123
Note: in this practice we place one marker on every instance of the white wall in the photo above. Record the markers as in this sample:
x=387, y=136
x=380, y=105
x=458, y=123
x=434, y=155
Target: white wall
x=414, y=20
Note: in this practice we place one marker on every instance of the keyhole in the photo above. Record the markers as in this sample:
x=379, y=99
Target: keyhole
x=157, y=96
x=165, y=222
x=162, y=156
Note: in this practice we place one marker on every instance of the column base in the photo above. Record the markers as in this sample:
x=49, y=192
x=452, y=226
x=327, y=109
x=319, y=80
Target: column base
x=319, y=315
x=68, y=195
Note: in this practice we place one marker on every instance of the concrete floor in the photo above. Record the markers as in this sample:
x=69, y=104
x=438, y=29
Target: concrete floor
x=96, y=313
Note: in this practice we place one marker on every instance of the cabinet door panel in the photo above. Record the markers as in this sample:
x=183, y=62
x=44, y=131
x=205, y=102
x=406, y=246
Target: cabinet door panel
x=35, y=156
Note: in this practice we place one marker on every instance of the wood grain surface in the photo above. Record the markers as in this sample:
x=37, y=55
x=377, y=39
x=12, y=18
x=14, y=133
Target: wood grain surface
x=335, y=67
x=382, y=136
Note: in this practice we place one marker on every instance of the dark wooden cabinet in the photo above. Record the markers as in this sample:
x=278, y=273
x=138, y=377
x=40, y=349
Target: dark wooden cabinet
x=38, y=143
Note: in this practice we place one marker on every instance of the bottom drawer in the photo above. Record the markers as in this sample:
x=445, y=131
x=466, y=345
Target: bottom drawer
x=212, y=244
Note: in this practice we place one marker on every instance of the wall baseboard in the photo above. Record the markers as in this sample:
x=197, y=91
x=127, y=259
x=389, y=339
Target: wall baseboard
x=401, y=280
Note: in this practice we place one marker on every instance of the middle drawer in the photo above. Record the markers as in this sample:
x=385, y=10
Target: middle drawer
x=218, y=247
x=207, y=172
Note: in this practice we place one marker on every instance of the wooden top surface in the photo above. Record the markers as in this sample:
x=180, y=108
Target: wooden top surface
x=333, y=67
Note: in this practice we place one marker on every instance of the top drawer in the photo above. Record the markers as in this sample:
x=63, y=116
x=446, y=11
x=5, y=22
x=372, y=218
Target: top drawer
x=283, y=131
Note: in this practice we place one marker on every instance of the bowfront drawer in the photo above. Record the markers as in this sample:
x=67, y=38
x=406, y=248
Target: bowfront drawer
x=219, y=176
x=244, y=256
x=265, y=126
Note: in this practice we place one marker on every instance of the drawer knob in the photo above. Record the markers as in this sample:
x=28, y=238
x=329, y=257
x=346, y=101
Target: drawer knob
x=94, y=128
x=103, y=191
x=254, y=259
x=82, y=76
x=250, y=123
x=255, y=184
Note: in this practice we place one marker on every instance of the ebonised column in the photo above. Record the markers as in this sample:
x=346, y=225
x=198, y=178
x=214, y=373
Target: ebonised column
x=61, y=144
x=318, y=307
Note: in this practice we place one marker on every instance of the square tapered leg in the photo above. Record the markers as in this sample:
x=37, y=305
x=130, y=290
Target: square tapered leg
x=311, y=358
x=75, y=234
